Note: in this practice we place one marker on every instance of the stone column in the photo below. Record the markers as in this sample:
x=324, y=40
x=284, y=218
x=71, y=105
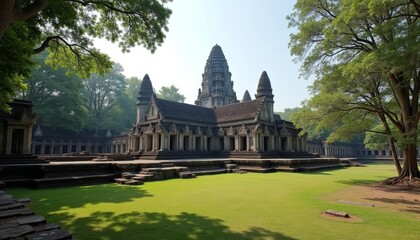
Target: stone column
x=257, y=142
x=289, y=146
x=27, y=139
x=181, y=142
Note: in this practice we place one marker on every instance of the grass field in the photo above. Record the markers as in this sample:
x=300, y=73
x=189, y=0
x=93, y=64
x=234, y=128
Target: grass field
x=225, y=206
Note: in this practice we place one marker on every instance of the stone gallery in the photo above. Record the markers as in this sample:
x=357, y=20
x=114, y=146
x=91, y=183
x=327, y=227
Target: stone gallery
x=218, y=125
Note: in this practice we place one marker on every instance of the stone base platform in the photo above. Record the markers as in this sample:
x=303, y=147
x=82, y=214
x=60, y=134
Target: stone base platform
x=56, y=174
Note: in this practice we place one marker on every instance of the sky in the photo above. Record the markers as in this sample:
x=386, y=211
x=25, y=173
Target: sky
x=253, y=35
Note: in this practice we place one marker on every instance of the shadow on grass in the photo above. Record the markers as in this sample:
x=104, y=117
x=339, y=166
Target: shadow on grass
x=357, y=181
x=152, y=225
x=408, y=205
x=74, y=197
x=317, y=172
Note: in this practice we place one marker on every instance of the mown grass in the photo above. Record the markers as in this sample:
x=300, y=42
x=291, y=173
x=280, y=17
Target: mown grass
x=225, y=206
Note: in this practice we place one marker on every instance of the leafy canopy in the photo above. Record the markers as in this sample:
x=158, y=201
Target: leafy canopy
x=67, y=29
x=171, y=93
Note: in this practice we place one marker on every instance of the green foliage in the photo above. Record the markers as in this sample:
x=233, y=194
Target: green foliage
x=111, y=105
x=15, y=62
x=287, y=113
x=67, y=29
x=366, y=58
x=170, y=93
x=292, y=211
x=56, y=96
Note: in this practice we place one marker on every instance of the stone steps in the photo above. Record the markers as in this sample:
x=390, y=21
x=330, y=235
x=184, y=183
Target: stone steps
x=209, y=171
x=19, y=222
x=72, y=180
x=169, y=171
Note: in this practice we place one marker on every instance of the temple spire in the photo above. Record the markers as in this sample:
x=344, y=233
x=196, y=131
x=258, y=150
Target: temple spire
x=145, y=93
x=216, y=86
x=246, y=97
x=264, y=87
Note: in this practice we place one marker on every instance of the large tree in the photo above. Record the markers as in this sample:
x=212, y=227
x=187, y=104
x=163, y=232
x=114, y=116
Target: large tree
x=67, y=29
x=102, y=94
x=359, y=42
x=56, y=96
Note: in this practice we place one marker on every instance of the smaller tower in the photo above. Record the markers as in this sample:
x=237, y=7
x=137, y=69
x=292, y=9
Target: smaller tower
x=265, y=91
x=246, y=97
x=145, y=93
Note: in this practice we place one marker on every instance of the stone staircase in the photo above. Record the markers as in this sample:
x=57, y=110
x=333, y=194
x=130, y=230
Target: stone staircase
x=19, y=222
x=167, y=171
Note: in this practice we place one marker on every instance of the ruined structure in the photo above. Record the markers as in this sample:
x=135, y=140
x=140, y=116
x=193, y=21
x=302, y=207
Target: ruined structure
x=16, y=133
x=217, y=126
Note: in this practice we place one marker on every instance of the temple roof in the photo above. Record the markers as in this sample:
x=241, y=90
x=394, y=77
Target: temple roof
x=185, y=112
x=238, y=111
x=246, y=97
x=264, y=86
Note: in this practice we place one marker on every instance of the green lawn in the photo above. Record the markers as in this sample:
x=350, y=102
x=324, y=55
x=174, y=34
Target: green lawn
x=225, y=206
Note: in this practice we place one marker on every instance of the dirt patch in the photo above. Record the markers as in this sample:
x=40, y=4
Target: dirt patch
x=401, y=197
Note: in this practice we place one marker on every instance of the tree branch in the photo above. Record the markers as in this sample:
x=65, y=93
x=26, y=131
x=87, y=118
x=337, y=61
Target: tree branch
x=21, y=14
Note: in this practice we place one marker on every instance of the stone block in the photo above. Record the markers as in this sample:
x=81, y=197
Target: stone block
x=16, y=213
x=165, y=165
x=23, y=200
x=121, y=180
x=186, y=175
x=12, y=205
x=15, y=232
x=55, y=234
x=128, y=175
x=337, y=213
x=231, y=166
x=46, y=227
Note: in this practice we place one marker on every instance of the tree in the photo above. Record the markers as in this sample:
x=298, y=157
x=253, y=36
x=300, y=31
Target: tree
x=102, y=96
x=171, y=93
x=56, y=96
x=285, y=115
x=123, y=115
x=67, y=29
x=357, y=44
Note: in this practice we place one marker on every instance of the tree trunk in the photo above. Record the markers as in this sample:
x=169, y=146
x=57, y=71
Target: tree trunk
x=11, y=11
x=410, y=168
x=6, y=15
x=394, y=155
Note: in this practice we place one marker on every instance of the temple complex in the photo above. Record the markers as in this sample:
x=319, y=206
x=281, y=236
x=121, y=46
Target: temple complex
x=218, y=125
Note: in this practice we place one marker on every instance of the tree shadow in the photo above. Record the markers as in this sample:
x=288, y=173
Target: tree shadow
x=101, y=193
x=357, y=181
x=153, y=225
x=317, y=172
x=407, y=205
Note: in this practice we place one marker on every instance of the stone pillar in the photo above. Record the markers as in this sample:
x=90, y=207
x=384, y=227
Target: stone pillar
x=255, y=137
x=289, y=146
x=226, y=143
x=181, y=141
x=42, y=152
x=27, y=139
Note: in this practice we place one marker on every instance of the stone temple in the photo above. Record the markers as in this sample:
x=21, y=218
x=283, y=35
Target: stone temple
x=218, y=125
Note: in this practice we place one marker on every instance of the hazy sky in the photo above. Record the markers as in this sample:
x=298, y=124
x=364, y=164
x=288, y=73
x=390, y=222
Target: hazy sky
x=253, y=35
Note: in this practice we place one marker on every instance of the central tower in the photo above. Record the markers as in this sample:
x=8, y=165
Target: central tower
x=216, y=86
